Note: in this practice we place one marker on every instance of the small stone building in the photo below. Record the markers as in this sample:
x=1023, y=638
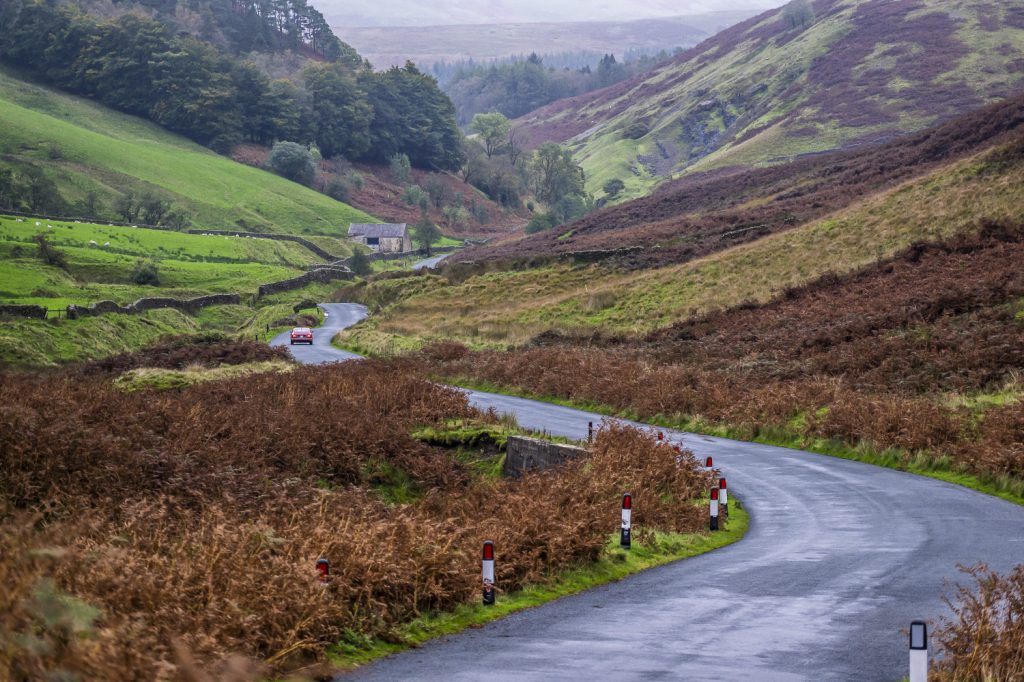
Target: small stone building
x=382, y=237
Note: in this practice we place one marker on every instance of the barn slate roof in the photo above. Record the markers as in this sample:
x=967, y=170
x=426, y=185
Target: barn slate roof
x=377, y=230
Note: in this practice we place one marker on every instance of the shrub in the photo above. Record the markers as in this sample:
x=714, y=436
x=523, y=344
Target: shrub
x=636, y=130
x=293, y=161
x=359, y=263
x=50, y=254
x=146, y=272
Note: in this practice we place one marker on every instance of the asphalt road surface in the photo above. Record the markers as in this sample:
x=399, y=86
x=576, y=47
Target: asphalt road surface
x=430, y=263
x=840, y=557
x=339, y=316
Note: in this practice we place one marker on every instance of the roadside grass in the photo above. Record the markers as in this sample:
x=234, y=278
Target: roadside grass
x=615, y=564
x=920, y=463
x=167, y=379
x=84, y=147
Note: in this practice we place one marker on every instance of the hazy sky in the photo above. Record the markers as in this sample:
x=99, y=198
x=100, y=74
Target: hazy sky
x=424, y=13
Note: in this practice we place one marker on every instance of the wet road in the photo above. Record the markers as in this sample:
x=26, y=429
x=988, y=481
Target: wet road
x=840, y=557
x=430, y=262
x=339, y=316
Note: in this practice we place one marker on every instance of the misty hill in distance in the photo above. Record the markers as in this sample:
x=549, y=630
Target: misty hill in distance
x=491, y=12
x=387, y=46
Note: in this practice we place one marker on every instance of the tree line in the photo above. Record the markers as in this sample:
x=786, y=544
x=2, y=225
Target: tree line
x=142, y=66
x=517, y=86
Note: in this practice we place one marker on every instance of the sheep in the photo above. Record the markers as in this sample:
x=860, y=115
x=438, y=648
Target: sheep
x=106, y=244
x=38, y=224
x=19, y=220
x=92, y=242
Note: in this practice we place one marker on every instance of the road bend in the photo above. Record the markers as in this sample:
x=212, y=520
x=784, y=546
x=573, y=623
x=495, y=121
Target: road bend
x=840, y=558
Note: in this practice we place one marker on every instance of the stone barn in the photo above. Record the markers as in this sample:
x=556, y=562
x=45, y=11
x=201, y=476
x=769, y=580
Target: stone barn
x=382, y=237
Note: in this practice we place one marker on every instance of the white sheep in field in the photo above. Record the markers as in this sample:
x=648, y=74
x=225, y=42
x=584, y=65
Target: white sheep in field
x=92, y=242
x=19, y=220
x=106, y=244
x=38, y=224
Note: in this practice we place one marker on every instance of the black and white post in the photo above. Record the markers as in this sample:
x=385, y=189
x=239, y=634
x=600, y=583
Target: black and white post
x=323, y=567
x=488, y=573
x=918, y=651
x=723, y=496
x=714, y=509
x=625, y=539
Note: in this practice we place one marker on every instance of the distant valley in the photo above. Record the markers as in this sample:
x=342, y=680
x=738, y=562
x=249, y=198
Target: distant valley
x=426, y=45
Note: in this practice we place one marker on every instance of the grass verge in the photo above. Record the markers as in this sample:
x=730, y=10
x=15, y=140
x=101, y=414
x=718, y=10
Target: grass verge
x=614, y=565
x=921, y=464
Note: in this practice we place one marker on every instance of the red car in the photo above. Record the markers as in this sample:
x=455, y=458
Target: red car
x=302, y=335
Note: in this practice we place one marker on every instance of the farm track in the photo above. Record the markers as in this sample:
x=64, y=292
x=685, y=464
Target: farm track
x=840, y=557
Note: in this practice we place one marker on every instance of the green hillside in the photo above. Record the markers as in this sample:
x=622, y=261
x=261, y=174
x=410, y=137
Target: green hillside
x=86, y=148
x=792, y=82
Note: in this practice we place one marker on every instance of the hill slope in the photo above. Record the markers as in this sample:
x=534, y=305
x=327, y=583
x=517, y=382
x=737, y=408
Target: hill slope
x=84, y=147
x=701, y=213
x=841, y=226
x=786, y=84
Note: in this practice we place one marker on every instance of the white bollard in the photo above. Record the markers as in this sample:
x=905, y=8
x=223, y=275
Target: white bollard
x=714, y=509
x=627, y=521
x=723, y=495
x=488, y=573
x=918, y=651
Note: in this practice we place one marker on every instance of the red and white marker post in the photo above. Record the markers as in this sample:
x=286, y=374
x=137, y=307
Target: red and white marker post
x=714, y=509
x=488, y=573
x=918, y=651
x=625, y=539
x=709, y=463
x=661, y=437
x=323, y=567
x=723, y=496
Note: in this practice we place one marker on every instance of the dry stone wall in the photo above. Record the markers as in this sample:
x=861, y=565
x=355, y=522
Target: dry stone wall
x=532, y=454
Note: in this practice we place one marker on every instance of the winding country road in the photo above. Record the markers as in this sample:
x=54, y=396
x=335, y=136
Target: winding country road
x=840, y=557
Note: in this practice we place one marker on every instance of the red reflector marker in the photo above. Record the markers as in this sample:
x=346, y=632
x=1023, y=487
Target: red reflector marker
x=708, y=463
x=488, y=551
x=323, y=567
x=627, y=501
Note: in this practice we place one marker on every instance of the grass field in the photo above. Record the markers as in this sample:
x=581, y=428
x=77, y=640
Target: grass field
x=504, y=308
x=101, y=260
x=85, y=147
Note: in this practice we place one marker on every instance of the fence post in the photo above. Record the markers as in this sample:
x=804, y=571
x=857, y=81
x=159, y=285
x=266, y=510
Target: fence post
x=627, y=521
x=714, y=509
x=918, y=651
x=488, y=573
x=323, y=567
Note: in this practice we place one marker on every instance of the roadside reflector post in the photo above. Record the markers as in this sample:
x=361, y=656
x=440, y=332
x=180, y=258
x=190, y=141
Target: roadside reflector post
x=625, y=540
x=708, y=463
x=723, y=496
x=323, y=567
x=488, y=573
x=918, y=651
x=590, y=432
x=661, y=437
x=714, y=509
